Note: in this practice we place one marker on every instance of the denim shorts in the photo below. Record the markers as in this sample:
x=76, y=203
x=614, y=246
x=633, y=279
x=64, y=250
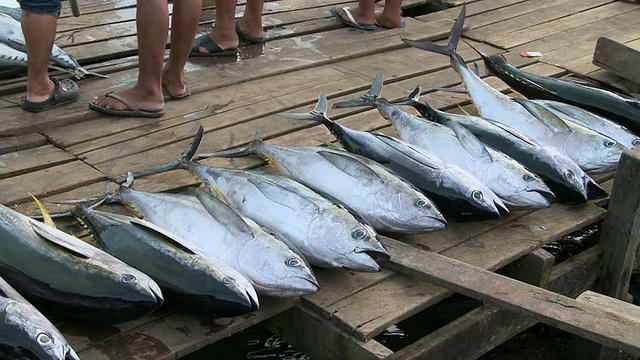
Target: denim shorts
x=43, y=7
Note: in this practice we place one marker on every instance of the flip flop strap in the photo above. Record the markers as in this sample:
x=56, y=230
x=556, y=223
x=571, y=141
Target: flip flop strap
x=346, y=11
x=122, y=100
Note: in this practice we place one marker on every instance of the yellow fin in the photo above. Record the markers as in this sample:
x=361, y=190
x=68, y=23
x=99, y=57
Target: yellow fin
x=45, y=213
x=219, y=194
x=272, y=161
x=463, y=110
x=328, y=144
x=517, y=94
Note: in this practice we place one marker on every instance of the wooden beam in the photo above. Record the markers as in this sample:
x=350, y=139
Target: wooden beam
x=543, y=305
x=618, y=58
x=533, y=268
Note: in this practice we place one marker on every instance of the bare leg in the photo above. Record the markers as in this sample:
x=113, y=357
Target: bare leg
x=39, y=33
x=186, y=14
x=251, y=22
x=391, y=15
x=224, y=30
x=152, y=22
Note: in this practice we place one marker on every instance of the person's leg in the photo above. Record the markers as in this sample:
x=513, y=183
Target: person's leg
x=39, y=33
x=251, y=22
x=184, y=25
x=152, y=23
x=391, y=16
x=224, y=31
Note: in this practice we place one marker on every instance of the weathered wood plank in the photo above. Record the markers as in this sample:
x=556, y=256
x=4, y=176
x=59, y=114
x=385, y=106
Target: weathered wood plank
x=24, y=161
x=622, y=59
x=628, y=312
x=17, y=143
x=545, y=306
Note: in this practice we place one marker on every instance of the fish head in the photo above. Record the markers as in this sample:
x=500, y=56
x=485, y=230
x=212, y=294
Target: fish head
x=240, y=295
x=485, y=199
x=32, y=335
x=570, y=181
x=594, y=152
x=364, y=252
x=411, y=213
x=277, y=270
x=519, y=187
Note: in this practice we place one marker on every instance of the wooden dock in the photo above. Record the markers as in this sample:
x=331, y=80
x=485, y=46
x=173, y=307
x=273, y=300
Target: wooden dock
x=73, y=152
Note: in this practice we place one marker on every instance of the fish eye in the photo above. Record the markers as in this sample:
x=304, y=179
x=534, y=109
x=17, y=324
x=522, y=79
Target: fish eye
x=527, y=177
x=293, y=262
x=358, y=234
x=610, y=143
x=635, y=142
x=477, y=195
x=44, y=339
x=421, y=203
x=569, y=175
x=128, y=278
x=228, y=280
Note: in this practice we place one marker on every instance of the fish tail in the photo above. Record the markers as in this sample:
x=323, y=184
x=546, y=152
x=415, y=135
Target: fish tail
x=368, y=99
x=249, y=149
x=454, y=38
x=412, y=99
x=186, y=156
x=318, y=114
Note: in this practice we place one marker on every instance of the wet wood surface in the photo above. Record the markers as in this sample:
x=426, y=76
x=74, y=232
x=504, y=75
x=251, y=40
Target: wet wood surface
x=73, y=152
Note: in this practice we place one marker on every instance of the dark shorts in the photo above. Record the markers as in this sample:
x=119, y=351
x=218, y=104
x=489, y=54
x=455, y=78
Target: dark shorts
x=44, y=7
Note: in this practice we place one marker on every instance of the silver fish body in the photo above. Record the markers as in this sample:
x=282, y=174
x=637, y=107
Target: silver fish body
x=326, y=234
x=190, y=221
x=389, y=203
x=189, y=282
x=510, y=181
x=53, y=268
x=26, y=333
x=589, y=149
x=574, y=114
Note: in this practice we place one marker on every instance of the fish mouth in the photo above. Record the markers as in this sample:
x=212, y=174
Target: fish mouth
x=595, y=191
x=376, y=255
x=70, y=354
x=253, y=303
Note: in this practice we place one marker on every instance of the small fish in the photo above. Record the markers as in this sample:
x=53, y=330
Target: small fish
x=454, y=190
x=64, y=273
x=565, y=178
x=324, y=232
x=25, y=333
x=189, y=282
x=589, y=149
x=389, y=203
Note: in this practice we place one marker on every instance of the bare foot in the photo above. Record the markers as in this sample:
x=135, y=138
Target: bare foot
x=389, y=22
x=176, y=87
x=254, y=30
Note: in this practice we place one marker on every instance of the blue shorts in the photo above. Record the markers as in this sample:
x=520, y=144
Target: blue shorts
x=43, y=7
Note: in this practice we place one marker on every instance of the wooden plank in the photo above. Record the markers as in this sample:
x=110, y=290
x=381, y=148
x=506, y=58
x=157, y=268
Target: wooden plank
x=545, y=306
x=624, y=310
x=24, y=161
x=482, y=329
x=533, y=268
x=17, y=143
x=48, y=181
x=167, y=337
x=622, y=59
x=320, y=339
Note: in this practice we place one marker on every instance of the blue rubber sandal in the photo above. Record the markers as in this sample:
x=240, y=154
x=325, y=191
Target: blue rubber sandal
x=351, y=22
x=247, y=38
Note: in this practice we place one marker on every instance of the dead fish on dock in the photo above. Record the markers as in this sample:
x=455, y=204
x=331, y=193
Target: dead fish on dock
x=268, y=264
x=589, y=149
x=189, y=282
x=25, y=333
x=621, y=108
x=389, y=203
x=563, y=176
x=514, y=184
x=11, y=35
x=455, y=191
x=326, y=233
x=593, y=121
x=64, y=273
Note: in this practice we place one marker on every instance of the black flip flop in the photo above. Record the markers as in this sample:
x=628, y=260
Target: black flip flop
x=247, y=38
x=66, y=91
x=212, y=47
